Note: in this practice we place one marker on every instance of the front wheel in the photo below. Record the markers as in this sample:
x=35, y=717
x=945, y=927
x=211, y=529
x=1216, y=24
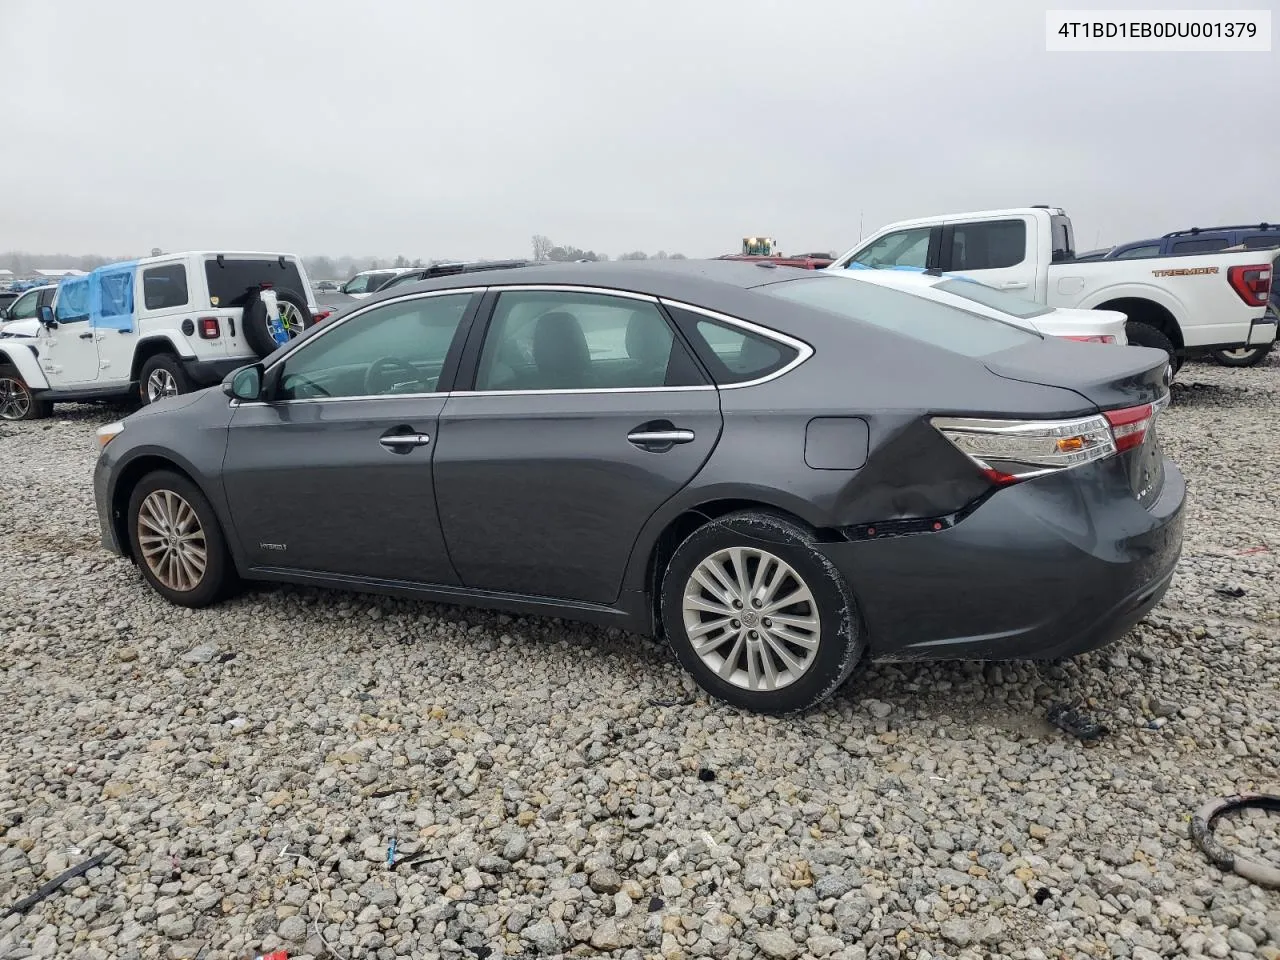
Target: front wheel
x=162, y=376
x=177, y=542
x=1242, y=357
x=758, y=616
x=17, y=401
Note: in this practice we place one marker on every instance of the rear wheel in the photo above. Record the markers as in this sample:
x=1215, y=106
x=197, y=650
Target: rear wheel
x=1141, y=334
x=177, y=542
x=1243, y=357
x=757, y=615
x=162, y=376
x=17, y=401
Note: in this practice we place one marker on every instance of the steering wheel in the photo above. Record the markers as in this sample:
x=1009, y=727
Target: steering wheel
x=377, y=379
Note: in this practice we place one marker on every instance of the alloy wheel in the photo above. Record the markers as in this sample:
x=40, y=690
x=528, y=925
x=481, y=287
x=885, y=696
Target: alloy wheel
x=15, y=399
x=291, y=317
x=161, y=384
x=751, y=618
x=172, y=540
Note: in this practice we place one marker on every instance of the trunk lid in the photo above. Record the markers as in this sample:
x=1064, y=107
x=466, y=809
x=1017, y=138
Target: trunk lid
x=1119, y=381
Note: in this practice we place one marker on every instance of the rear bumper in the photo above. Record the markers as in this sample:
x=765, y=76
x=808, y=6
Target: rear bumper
x=1049, y=568
x=205, y=373
x=1262, y=331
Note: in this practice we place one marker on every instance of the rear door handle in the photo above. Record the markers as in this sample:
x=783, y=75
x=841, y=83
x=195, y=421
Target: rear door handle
x=646, y=438
x=1014, y=285
x=404, y=442
x=86, y=336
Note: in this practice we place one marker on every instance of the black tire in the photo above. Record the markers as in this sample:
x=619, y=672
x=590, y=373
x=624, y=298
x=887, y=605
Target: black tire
x=1242, y=358
x=17, y=400
x=159, y=375
x=841, y=642
x=257, y=332
x=1141, y=334
x=218, y=576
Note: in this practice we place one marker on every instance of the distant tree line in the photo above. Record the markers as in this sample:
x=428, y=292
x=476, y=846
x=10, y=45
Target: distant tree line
x=545, y=249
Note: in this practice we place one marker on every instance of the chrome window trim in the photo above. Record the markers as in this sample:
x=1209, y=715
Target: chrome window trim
x=803, y=350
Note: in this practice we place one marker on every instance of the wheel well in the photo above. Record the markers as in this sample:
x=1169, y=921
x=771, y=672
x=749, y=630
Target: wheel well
x=678, y=530
x=1149, y=312
x=129, y=478
x=148, y=349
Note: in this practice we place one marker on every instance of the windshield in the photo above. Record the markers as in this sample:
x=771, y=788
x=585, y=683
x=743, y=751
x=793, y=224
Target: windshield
x=913, y=316
x=990, y=297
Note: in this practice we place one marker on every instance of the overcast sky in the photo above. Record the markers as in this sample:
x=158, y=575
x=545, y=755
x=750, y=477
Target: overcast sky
x=459, y=129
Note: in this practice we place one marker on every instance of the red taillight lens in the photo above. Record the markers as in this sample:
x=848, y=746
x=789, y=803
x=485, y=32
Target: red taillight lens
x=321, y=315
x=1129, y=426
x=209, y=328
x=1099, y=339
x=1252, y=283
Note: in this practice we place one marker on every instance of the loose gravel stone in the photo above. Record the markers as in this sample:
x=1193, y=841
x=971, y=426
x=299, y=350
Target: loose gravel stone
x=246, y=767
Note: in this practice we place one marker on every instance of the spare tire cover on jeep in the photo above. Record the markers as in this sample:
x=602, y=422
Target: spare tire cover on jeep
x=294, y=314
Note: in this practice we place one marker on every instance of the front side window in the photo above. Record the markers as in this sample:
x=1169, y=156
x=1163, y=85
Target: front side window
x=165, y=286
x=903, y=248
x=1139, y=253
x=939, y=324
x=26, y=306
x=990, y=245
x=544, y=340
x=394, y=349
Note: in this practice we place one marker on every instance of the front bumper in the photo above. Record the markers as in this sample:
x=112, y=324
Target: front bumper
x=1048, y=568
x=205, y=373
x=102, y=500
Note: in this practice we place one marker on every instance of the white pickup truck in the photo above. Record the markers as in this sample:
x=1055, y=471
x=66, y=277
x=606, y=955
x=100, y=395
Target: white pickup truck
x=151, y=328
x=1188, y=305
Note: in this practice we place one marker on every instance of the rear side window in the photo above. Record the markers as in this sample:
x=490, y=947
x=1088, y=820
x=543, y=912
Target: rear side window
x=164, y=286
x=988, y=246
x=926, y=320
x=1262, y=241
x=233, y=283
x=732, y=353
x=1138, y=253
x=1201, y=245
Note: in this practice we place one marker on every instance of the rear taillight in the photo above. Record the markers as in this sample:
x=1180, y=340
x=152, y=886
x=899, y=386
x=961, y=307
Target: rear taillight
x=1097, y=339
x=209, y=328
x=1252, y=283
x=321, y=315
x=1008, y=451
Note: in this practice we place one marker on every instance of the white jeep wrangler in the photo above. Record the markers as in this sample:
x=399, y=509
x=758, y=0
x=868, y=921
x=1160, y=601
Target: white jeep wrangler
x=152, y=328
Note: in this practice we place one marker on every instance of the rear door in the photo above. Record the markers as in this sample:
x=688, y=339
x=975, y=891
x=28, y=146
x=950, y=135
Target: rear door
x=1001, y=253
x=586, y=413
x=333, y=475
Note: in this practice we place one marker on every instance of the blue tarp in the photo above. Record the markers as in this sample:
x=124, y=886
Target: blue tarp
x=105, y=296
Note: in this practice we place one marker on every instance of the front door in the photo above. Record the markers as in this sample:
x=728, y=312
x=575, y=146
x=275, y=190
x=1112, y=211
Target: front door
x=69, y=353
x=333, y=475
x=587, y=414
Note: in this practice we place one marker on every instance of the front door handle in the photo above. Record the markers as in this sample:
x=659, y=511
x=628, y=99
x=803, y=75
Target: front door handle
x=404, y=442
x=654, y=438
x=86, y=336
x=1014, y=285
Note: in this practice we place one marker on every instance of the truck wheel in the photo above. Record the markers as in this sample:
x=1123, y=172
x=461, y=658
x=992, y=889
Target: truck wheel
x=162, y=376
x=17, y=402
x=1141, y=334
x=293, y=312
x=1244, y=357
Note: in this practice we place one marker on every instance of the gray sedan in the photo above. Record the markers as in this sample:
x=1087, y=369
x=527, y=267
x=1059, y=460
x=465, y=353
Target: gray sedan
x=781, y=473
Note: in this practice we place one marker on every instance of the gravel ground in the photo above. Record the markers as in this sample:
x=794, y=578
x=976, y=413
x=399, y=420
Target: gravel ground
x=568, y=791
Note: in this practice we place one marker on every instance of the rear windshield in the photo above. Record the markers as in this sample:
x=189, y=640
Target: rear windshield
x=233, y=283
x=927, y=320
x=990, y=297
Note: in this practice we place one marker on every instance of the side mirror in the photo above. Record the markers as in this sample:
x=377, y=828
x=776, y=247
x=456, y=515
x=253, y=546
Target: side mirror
x=244, y=383
x=45, y=312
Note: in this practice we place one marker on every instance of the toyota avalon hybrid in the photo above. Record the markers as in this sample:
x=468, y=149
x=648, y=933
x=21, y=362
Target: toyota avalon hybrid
x=782, y=473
